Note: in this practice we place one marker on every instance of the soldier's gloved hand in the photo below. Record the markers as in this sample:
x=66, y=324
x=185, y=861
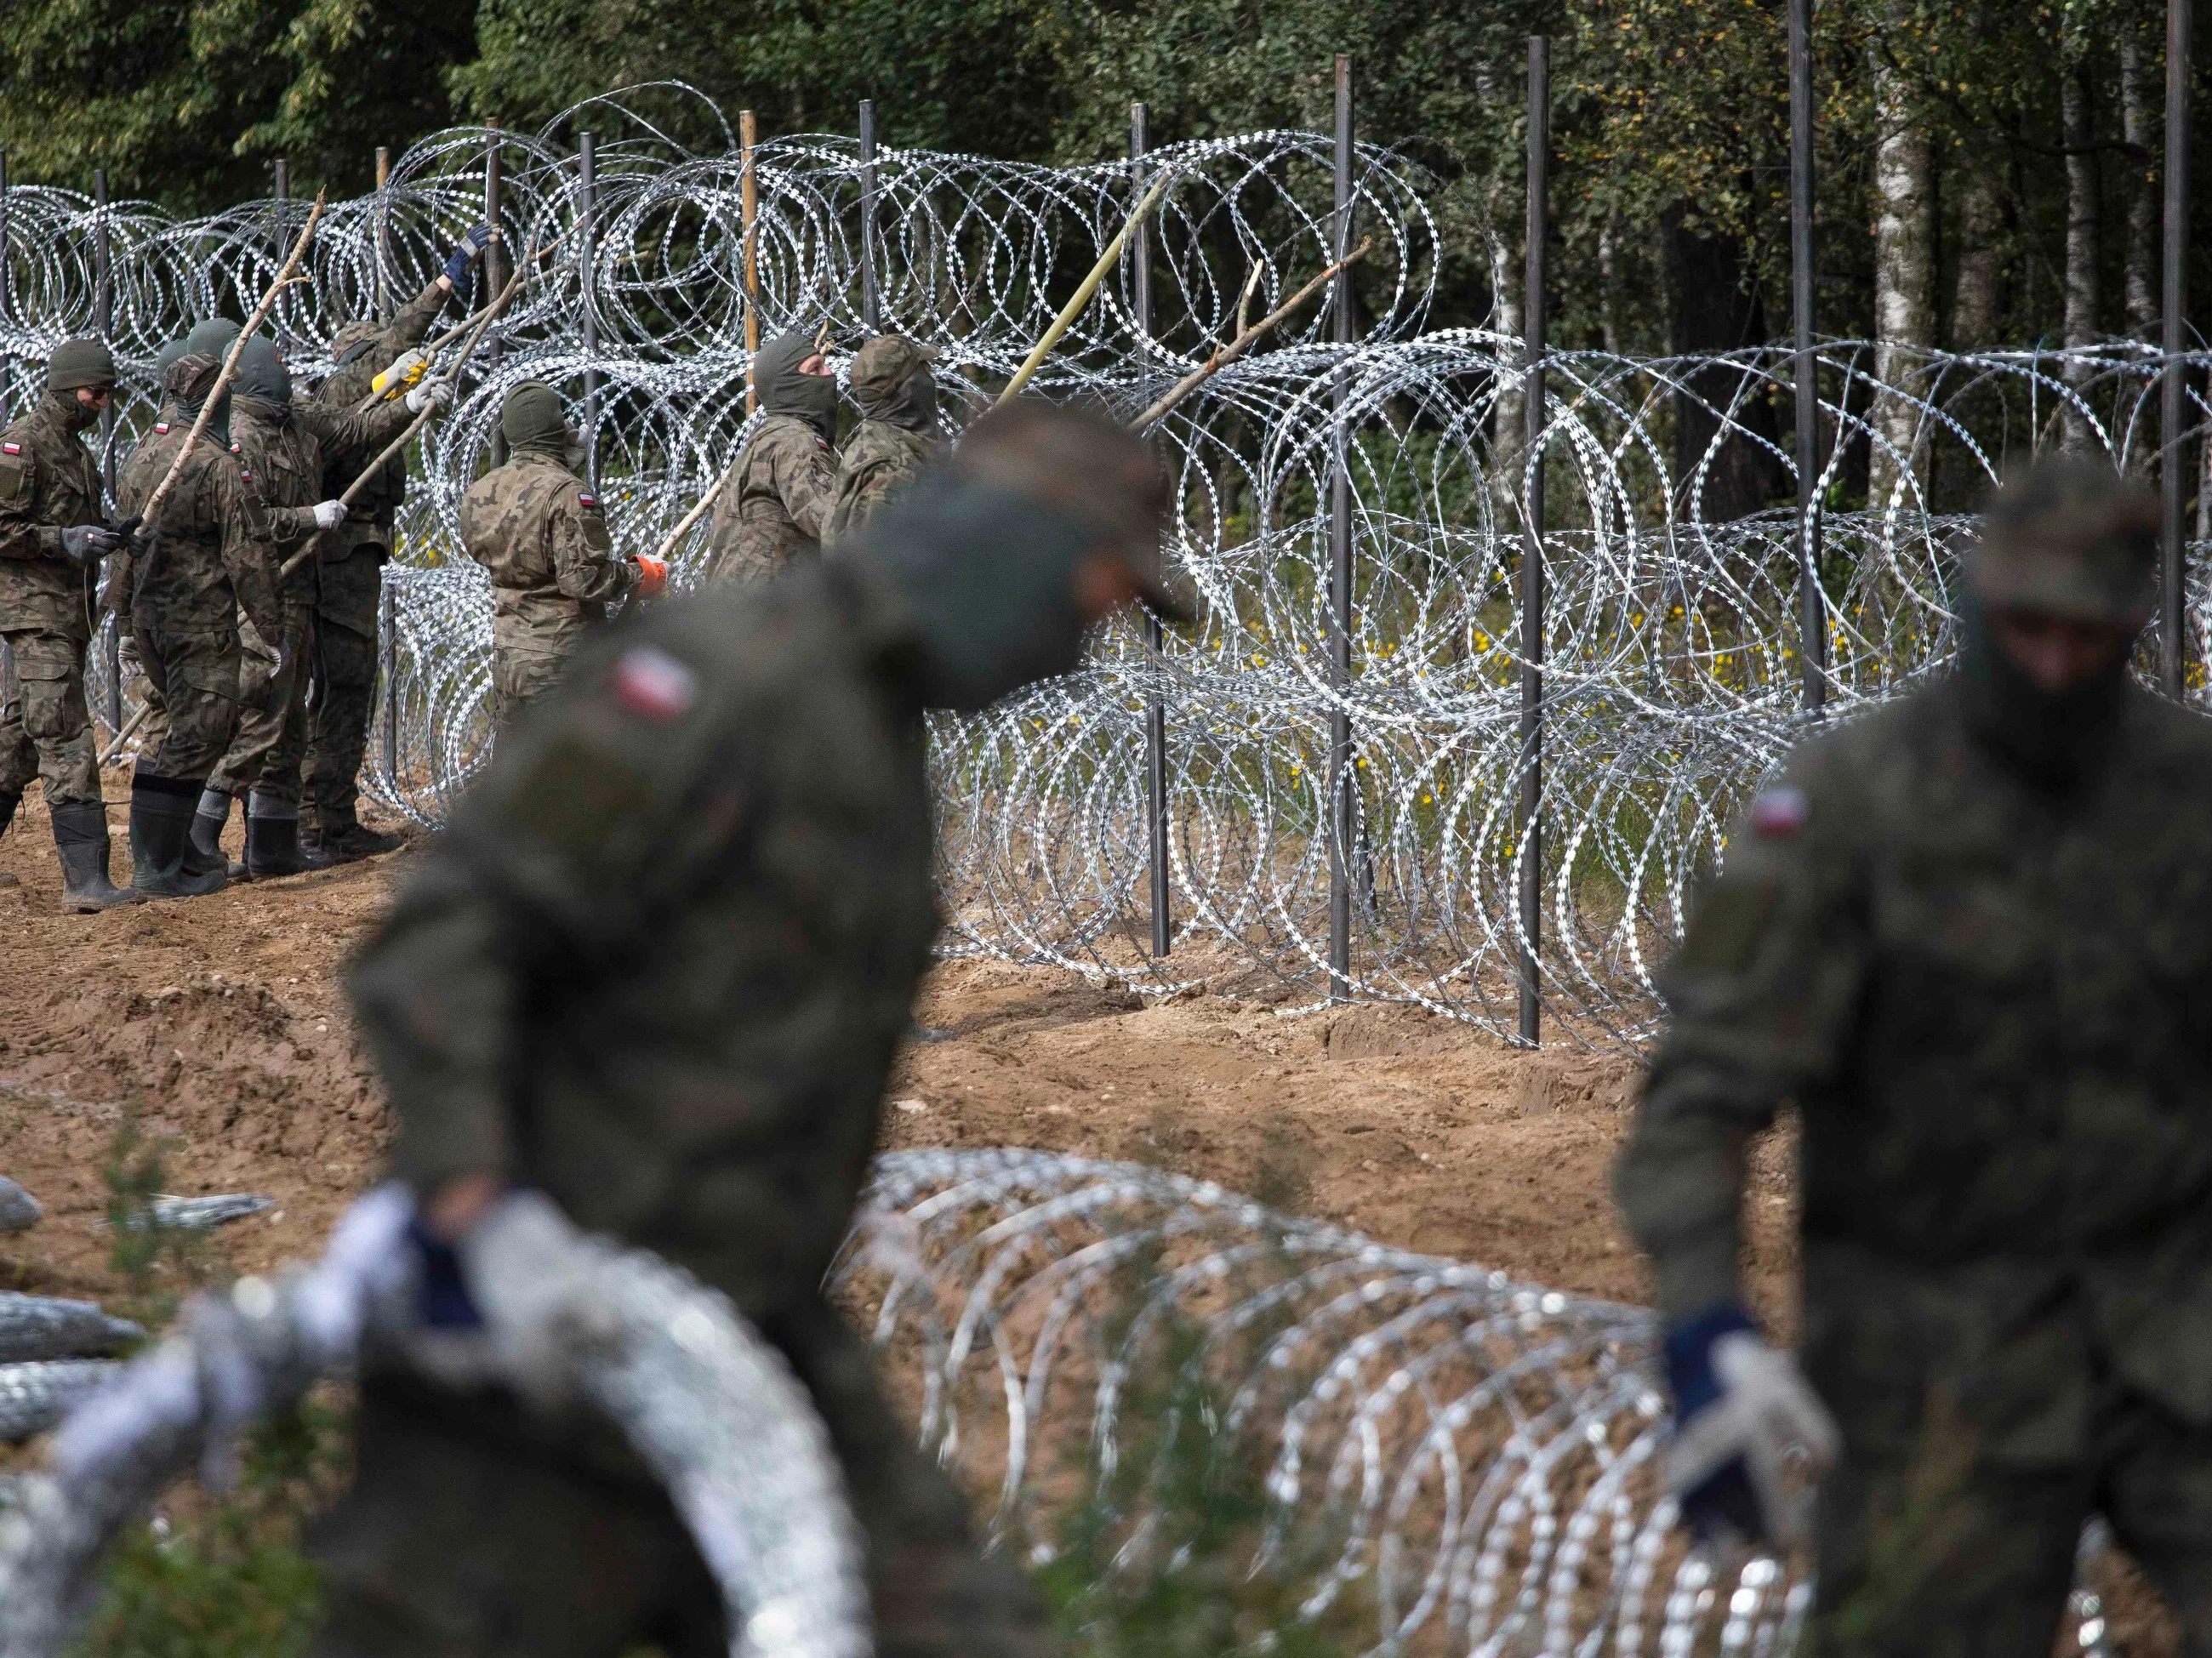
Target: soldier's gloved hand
x=328, y=515
x=652, y=576
x=1742, y=1412
x=438, y=394
x=532, y=1275
x=405, y=373
x=466, y=251
x=85, y=544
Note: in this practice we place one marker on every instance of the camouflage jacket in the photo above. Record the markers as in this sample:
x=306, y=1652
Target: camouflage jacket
x=286, y=450
x=48, y=482
x=879, y=458
x=377, y=507
x=775, y=505
x=1992, y=1006
x=214, y=558
x=659, y=963
x=537, y=527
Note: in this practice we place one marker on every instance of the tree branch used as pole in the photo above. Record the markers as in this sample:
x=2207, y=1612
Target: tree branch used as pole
x=1074, y=308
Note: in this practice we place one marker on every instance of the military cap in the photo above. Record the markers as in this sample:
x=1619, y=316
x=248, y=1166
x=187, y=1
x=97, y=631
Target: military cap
x=884, y=364
x=77, y=363
x=190, y=378
x=2072, y=537
x=1090, y=468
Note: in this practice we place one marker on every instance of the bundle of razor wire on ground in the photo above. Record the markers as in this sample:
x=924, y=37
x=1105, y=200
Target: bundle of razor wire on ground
x=1672, y=649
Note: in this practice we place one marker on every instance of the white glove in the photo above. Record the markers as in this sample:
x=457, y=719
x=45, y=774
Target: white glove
x=532, y=1275
x=436, y=395
x=328, y=515
x=1766, y=1413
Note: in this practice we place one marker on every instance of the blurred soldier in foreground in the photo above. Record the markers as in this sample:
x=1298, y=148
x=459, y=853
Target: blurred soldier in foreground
x=656, y=969
x=53, y=534
x=351, y=579
x=1970, y=935
x=775, y=505
x=537, y=526
x=206, y=562
x=898, y=434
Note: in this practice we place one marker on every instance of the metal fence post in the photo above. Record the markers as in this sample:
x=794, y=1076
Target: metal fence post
x=1805, y=366
x=2174, y=403
x=383, y=294
x=495, y=274
x=388, y=626
x=104, y=302
x=1528, y=837
x=1156, y=707
x=1339, y=823
x=5, y=401
x=587, y=240
x=871, y=299
x=282, y=248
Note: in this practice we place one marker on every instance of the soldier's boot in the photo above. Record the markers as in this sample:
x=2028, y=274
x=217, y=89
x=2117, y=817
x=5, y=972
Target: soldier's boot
x=208, y=825
x=272, y=839
x=341, y=838
x=81, y=841
x=9, y=801
x=160, y=837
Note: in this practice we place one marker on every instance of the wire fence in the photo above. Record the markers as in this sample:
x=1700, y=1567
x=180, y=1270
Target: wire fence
x=1672, y=652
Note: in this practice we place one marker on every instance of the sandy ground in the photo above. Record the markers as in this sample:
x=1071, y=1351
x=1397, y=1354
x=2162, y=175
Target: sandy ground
x=220, y=1023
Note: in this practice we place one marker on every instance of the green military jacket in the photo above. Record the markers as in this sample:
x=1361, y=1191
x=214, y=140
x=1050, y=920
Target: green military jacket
x=376, y=509
x=775, y=505
x=214, y=558
x=878, y=458
x=659, y=963
x=537, y=528
x=48, y=483
x=1993, y=1007
x=288, y=449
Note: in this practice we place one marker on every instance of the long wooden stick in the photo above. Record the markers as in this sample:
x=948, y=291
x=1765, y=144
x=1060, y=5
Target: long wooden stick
x=749, y=211
x=1246, y=338
x=490, y=315
x=1074, y=308
x=124, y=736
x=149, y=514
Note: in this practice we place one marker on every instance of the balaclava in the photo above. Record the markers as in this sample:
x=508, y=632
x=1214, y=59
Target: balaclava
x=188, y=380
x=262, y=377
x=784, y=391
x=533, y=423
x=891, y=382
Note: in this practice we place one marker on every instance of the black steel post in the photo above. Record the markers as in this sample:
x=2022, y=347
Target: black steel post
x=4, y=400
x=283, y=189
x=494, y=277
x=104, y=302
x=1812, y=612
x=2173, y=403
x=388, y=629
x=1528, y=833
x=588, y=240
x=1339, y=825
x=871, y=299
x=1156, y=707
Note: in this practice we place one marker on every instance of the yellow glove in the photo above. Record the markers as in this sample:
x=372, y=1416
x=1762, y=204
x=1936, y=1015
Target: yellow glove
x=402, y=376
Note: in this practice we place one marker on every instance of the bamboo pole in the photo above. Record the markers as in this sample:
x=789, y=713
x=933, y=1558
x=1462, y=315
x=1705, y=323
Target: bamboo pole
x=1074, y=308
x=748, y=211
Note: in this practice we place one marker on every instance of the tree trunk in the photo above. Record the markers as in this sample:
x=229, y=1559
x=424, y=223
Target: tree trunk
x=1977, y=302
x=2142, y=194
x=2077, y=120
x=1904, y=282
x=1609, y=280
x=1711, y=308
x=1508, y=418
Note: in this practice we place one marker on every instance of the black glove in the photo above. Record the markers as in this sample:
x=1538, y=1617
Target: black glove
x=466, y=251
x=85, y=544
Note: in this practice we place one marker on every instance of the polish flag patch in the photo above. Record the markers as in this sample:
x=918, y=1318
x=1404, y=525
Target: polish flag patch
x=1780, y=813
x=583, y=500
x=162, y=426
x=653, y=685
x=11, y=448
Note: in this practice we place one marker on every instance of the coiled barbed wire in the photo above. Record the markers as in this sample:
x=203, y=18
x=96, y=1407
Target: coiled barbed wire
x=1672, y=631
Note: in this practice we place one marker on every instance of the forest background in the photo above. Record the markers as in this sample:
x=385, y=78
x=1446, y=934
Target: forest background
x=1989, y=169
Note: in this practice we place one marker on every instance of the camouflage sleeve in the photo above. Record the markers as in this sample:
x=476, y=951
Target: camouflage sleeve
x=857, y=492
x=1762, y=991
x=249, y=555
x=807, y=478
x=722, y=523
x=22, y=534
x=407, y=329
x=585, y=567
x=350, y=441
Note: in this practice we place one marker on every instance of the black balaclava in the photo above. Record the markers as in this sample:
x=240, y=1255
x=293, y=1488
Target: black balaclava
x=264, y=380
x=784, y=391
x=989, y=579
x=913, y=406
x=2052, y=739
x=534, y=421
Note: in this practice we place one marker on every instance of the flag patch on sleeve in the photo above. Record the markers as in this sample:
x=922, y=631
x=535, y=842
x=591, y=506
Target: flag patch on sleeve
x=583, y=500
x=1779, y=814
x=653, y=685
x=11, y=448
x=162, y=426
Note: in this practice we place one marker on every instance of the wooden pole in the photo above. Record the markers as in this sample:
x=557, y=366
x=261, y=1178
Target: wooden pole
x=1529, y=832
x=1089, y=285
x=749, y=209
x=1341, y=821
x=383, y=234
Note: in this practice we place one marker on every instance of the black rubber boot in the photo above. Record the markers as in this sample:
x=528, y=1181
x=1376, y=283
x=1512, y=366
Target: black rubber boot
x=8, y=802
x=343, y=839
x=161, y=839
x=208, y=822
x=81, y=839
x=273, y=840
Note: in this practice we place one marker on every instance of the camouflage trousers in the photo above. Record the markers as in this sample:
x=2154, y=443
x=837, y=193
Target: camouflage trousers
x=1930, y=1549
x=266, y=748
x=519, y=678
x=344, y=702
x=471, y=1531
x=45, y=729
x=191, y=681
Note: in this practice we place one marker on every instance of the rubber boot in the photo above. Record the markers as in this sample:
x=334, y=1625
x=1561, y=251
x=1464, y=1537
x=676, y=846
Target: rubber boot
x=208, y=825
x=161, y=835
x=8, y=802
x=272, y=839
x=342, y=840
x=81, y=839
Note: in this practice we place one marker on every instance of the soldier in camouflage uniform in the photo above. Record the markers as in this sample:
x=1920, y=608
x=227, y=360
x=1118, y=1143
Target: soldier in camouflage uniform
x=898, y=434
x=353, y=557
x=53, y=534
x=657, y=969
x=774, y=504
x=203, y=563
x=1970, y=935
x=537, y=526
x=288, y=450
